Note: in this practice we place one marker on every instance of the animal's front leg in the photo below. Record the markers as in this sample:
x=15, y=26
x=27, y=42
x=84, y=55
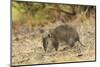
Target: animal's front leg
x=45, y=44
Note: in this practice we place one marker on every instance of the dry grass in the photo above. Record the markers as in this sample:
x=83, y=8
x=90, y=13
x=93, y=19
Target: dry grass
x=29, y=50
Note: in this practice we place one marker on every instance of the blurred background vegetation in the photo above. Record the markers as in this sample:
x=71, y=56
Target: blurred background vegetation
x=31, y=14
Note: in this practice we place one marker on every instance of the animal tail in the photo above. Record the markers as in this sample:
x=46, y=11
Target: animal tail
x=81, y=43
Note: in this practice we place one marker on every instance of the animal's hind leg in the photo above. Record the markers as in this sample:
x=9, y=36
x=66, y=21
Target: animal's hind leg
x=72, y=45
x=56, y=46
x=71, y=42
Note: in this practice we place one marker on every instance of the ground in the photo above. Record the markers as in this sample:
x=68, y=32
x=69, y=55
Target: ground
x=28, y=49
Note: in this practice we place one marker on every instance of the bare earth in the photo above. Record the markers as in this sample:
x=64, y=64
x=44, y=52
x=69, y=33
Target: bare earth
x=29, y=50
